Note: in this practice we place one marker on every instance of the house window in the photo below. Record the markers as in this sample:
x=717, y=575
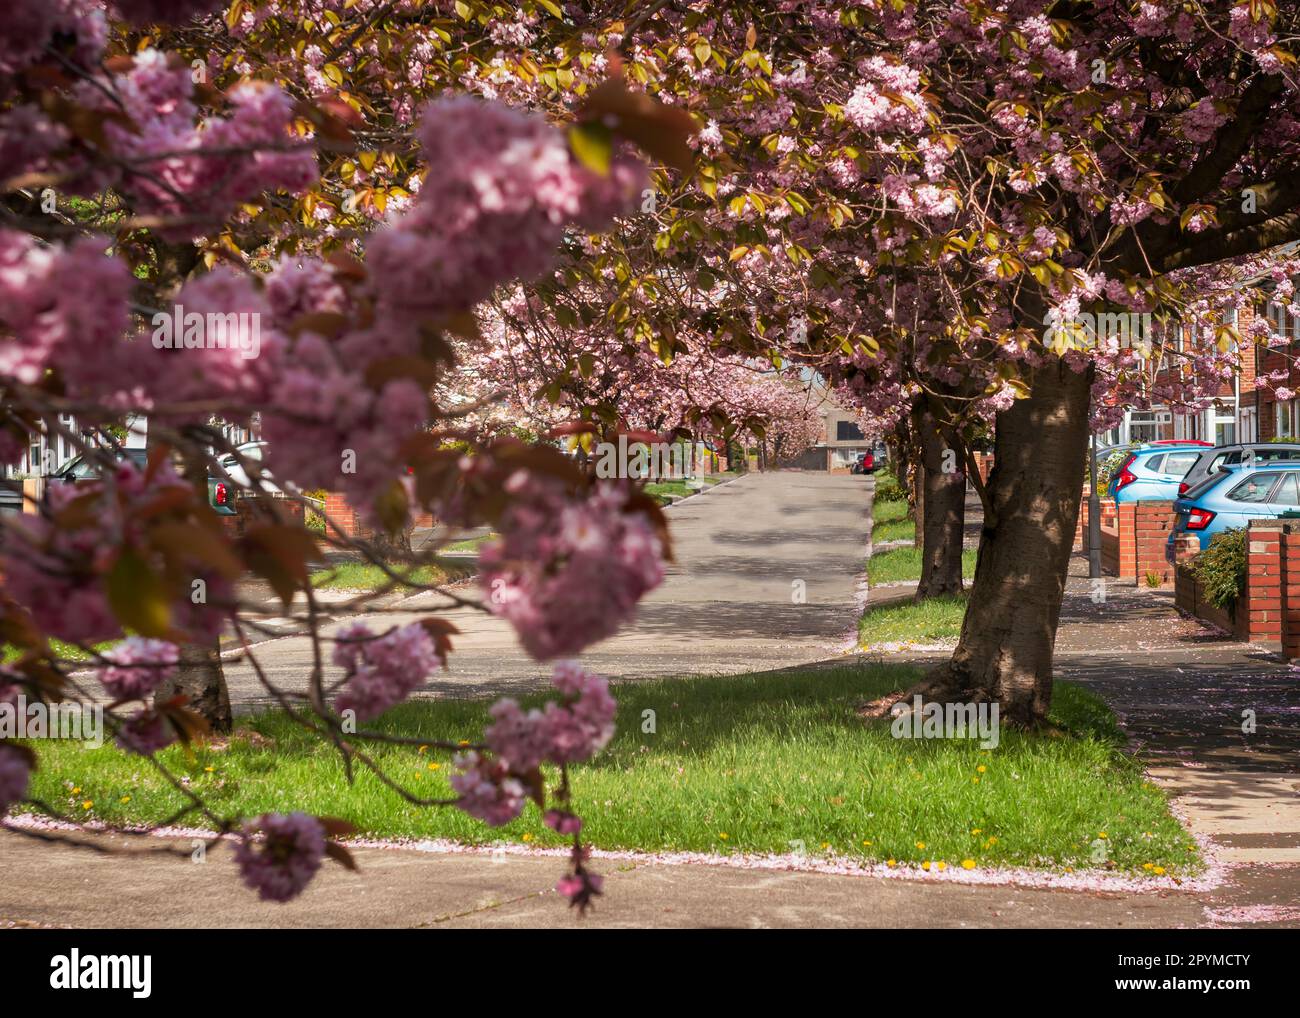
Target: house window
x=847, y=431
x=1277, y=322
x=1142, y=426
x=1284, y=419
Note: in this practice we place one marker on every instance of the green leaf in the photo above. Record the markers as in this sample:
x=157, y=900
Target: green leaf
x=138, y=595
x=593, y=145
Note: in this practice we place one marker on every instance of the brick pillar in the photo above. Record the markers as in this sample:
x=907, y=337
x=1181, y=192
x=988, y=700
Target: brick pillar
x=1259, y=612
x=1291, y=590
x=1152, y=522
x=343, y=514
x=1126, y=519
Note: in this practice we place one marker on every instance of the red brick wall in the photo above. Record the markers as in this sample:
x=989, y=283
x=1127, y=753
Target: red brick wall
x=1262, y=603
x=1133, y=539
x=343, y=515
x=1269, y=610
x=1290, y=560
x=348, y=519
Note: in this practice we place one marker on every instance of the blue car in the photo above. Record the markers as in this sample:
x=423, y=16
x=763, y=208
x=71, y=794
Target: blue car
x=1152, y=472
x=1233, y=496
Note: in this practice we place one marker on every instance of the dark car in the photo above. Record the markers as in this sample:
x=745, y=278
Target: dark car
x=83, y=468
x=1244, y=453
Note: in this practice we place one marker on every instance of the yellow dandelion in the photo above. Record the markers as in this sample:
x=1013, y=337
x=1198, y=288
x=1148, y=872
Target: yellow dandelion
x=125, y=798
x=942, y=865
x=968, y=864
x=87, y=804
x=722, y=835
x=921, y=845
x=891, y=862
x=1101, y=834
x=1147, y=866
x=826, y=844
x=866, y=843
x=435, y=766
x=76, y=789
x=528, y=837
x=975, y=781
x=977, y=830
x=981, y=768
x=1159, y=871
x=463, y=742
x=926, y=865
x=209, y=770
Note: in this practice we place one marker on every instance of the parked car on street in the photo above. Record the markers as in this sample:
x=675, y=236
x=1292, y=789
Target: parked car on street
x=82, y=468
x=1247, y=453
x=253, y=452
x=1233, y=495
x=1153, y=471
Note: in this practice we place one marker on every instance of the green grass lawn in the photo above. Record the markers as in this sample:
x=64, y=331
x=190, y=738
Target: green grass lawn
x=936, y=618
x=897, y=564
x=756, y=763
x=890, y=522
x=470, y=544
x=365, y=576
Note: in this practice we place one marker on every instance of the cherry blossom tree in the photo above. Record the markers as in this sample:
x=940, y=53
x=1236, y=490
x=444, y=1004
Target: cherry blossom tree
x=160, y=174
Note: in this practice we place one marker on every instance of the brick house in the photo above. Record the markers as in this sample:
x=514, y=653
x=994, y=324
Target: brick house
x=1236, y=413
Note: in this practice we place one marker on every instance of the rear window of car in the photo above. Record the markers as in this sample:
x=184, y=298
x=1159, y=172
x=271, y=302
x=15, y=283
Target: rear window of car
x=1153, y=464
x=1253, y=489
x=1288, y=491
x=1180, y=462
x=1203, y=485
x=1273, y=455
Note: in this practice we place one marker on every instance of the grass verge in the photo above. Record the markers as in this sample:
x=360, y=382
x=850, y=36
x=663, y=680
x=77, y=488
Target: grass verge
x=366, y=576
x=897, y=564
x=751, y=763
x=890, y=522
x=936, y=618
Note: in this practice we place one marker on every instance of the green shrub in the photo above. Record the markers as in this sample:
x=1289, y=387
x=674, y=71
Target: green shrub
x=1221, y=568
x=887, y=487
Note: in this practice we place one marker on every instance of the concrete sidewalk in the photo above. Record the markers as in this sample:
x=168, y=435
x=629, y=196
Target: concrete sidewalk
x=402, y=888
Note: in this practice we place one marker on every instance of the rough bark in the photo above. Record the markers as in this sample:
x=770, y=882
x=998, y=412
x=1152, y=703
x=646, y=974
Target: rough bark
x=202, y=681
x=1008, y=634
x=942, y=514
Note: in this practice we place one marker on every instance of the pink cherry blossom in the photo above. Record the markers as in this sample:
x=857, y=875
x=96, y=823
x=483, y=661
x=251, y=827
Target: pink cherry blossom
x=283, y=861
x=567, y=572
x=382, y=670
x=139, y=666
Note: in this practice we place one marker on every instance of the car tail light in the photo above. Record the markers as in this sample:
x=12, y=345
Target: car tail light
x=219, y=496
x=1199, y=519
x=1182, y=487
x=1126, y=476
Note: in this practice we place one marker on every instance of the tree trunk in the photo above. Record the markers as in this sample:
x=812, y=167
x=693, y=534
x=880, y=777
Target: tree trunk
x=943, y=508
x=1008, y=634
x=203, y=682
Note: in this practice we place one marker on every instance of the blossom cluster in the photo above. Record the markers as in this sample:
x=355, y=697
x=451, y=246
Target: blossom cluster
x=566, y=571
x=137, y=666
x=382, y=670
x=283, y=860
x=494, y=787
x=56, y=563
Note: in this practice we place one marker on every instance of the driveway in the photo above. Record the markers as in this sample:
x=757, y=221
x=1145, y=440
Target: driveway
x=767, y=574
